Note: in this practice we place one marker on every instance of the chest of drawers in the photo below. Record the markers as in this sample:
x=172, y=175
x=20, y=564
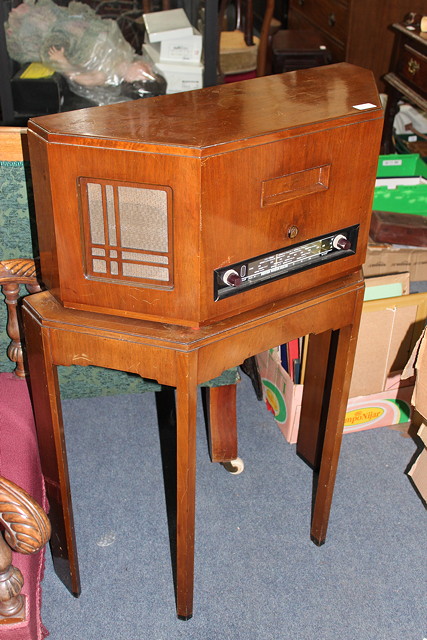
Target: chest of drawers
x=355, y=31
x=407, y=77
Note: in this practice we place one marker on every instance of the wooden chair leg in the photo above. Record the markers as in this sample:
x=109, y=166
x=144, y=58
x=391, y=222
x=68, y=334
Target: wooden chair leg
x=222, y=422
x=12, y=274
x=186, y=407
x=27, y=530
x=53, y=457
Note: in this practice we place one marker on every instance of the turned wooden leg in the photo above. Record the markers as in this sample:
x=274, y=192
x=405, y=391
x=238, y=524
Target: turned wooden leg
x=12, y=274
x=222, y=422
x=27, y=530
x=53, y=457
x=186, y=406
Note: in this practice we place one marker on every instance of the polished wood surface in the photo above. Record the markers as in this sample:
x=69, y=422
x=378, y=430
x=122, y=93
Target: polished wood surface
x=406, y=77
x=217, y=119
x=13, y=144
x=356, y=31
x=242, y=164
x=183, y=357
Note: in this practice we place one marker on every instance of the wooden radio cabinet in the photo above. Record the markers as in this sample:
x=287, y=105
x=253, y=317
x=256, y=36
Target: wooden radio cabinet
x=194, y=207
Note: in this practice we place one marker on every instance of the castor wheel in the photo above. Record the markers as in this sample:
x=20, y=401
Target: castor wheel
x=235, y=466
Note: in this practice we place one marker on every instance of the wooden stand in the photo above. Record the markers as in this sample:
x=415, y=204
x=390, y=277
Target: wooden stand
x=183, y=357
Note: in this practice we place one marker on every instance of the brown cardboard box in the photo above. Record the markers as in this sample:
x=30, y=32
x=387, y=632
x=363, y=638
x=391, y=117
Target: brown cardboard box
x=418, y=362
x=389, y=330
x=382, y=259
x=378, y=397
x=283, y=398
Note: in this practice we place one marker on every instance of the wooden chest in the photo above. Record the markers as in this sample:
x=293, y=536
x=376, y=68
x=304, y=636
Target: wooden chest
x=194, y=207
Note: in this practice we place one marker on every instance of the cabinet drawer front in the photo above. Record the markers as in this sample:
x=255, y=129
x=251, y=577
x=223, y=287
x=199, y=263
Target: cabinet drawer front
x=413, y=69
x=329, y=15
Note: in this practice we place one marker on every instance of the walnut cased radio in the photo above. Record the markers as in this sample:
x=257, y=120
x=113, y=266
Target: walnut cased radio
x=194, y=207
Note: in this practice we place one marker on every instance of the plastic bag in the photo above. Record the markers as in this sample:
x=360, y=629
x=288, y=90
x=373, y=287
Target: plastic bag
x=92, y=54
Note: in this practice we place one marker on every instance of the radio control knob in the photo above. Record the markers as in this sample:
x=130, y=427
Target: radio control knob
x=232, y=278
x=341, y=242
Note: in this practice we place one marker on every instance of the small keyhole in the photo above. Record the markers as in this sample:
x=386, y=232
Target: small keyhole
x=293, y=232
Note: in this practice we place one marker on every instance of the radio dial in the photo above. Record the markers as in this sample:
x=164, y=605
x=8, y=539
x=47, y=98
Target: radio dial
x=232, y=278
x=341, y=242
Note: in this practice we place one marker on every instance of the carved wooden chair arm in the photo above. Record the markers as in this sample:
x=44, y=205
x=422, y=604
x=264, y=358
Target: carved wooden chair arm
x=14, y=273
x=27, y=530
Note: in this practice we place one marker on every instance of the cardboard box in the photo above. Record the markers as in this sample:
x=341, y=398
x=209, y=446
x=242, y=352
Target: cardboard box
x=283, y=399
x=180, y=76
x=389, y=330
x=418, y=473
x=390, y=286
x=281, y=396
x=165, y=25
x=383, y=259
x=187, y=49
x=418, y=364
x=379, y=396
x=384, y=409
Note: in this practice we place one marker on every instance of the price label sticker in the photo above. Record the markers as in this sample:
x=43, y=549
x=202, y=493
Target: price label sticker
x=365, y=105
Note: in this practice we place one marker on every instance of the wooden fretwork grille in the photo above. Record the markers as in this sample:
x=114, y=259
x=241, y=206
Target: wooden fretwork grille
x=127, y=230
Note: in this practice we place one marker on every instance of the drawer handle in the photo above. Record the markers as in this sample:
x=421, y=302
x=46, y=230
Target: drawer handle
x=301, y=3
x=331, y=19
x=413, y=66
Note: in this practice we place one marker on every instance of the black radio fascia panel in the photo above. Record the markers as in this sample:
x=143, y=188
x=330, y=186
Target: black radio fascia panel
x=223, y=290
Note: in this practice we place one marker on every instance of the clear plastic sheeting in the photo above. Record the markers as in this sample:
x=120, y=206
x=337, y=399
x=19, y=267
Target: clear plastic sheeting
x=91, y=52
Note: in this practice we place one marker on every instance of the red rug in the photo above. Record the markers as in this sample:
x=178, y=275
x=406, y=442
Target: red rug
x=20, y=463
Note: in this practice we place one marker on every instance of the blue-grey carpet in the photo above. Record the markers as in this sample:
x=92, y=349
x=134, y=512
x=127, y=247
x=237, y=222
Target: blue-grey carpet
x=257, y=574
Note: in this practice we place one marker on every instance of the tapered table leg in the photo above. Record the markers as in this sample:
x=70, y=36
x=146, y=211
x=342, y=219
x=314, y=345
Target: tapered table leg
x=328, y=377
x=343, y=344
x=50, y=432
x=311, y=425
x=186, y=408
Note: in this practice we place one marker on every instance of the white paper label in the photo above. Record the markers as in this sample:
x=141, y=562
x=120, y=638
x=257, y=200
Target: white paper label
x=365, y=105
x=392, y=163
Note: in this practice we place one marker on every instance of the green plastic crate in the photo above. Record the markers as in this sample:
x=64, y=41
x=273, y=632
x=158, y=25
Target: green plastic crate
x=401, y=198
x=401, y=165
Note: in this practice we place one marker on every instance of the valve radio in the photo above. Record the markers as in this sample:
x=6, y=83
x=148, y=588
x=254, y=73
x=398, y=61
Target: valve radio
x=194, y=207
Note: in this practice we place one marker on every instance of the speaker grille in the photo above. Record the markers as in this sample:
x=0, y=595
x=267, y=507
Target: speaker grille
x=127, y=231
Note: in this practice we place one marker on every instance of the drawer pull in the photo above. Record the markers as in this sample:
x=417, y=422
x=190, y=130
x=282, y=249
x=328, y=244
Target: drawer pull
x=413, y=66
x=331, y=19
x=301, y=3
x=295, y=185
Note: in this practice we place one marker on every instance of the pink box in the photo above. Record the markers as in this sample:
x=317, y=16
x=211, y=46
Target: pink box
x=283, y=398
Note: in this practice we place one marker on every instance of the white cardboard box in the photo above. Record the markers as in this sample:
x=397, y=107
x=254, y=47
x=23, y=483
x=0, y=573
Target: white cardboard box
x=187, y=49
x=164, y=25
x=180, y=76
